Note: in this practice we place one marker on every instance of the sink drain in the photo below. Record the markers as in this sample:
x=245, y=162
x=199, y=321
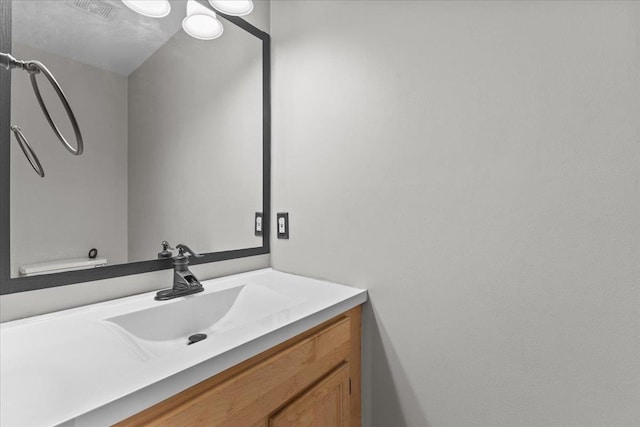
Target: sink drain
x=197, y=337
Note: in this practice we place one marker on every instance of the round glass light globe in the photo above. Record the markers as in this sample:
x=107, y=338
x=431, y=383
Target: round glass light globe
x=233, y=7
x=203, y=27
x=150, y=8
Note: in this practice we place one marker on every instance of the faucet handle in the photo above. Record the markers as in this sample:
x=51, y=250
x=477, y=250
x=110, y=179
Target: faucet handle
x=184, y=248
x=166, y=250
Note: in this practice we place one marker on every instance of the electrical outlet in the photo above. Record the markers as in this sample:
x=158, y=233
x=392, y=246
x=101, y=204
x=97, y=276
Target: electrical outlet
x=283, y=225
x=257, y=224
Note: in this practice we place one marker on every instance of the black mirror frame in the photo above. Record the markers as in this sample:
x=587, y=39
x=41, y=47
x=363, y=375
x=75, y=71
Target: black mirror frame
x=9, y=285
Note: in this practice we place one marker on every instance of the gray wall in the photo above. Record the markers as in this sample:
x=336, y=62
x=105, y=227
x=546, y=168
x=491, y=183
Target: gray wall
x=474, y=165
x=195, y=145
x=82, y=201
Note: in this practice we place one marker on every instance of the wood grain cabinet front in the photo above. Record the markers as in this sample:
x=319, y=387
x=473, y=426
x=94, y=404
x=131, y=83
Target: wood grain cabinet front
x=310, y=380
x=325, y=404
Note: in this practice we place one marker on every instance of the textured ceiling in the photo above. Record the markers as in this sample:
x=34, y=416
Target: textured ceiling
x=120, y=42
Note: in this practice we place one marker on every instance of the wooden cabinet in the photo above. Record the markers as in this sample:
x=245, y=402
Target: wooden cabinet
x=325, y=404
x=310, y=380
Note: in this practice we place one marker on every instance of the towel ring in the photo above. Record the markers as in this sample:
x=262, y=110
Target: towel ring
x=28, y=151
x=37, y=67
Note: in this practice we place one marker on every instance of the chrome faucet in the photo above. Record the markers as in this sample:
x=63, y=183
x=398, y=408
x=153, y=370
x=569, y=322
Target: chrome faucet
x=184, y=281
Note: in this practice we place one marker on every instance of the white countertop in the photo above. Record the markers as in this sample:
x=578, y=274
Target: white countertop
x=72, y=368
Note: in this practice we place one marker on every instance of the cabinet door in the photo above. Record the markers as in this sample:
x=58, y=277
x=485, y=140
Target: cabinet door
x=326, y=404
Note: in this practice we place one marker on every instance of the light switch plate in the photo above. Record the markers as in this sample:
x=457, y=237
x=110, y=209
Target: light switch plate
x=282, y=225
x=258, y=225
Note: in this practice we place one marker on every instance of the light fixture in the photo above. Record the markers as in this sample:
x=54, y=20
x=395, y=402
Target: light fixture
x=201, y=22
x=233, y=7
x=150, y=8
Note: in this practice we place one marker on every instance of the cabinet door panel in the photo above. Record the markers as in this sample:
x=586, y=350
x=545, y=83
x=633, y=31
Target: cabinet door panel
x=324, y=405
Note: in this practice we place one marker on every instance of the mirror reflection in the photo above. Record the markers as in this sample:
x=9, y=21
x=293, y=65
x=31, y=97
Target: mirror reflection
x=172, y=130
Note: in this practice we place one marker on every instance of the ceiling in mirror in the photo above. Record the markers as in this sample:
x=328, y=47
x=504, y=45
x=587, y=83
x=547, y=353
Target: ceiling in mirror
x=105, y=33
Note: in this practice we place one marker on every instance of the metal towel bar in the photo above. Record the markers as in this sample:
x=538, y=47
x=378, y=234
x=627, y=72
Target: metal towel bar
x=33, y=68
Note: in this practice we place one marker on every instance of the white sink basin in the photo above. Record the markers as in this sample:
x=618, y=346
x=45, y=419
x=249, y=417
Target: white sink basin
x=165, y=328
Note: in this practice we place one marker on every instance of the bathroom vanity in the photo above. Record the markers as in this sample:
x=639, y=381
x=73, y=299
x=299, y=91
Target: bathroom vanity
x=280, y=350
x=314, y=376
x=260, y=348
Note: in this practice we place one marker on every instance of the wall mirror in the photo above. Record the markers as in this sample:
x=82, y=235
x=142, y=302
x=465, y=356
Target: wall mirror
x=176, y=140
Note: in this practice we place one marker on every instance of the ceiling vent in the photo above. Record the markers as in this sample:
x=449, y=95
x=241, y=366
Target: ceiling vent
x=101, y=8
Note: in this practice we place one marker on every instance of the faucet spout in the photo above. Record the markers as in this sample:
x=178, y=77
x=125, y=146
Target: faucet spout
x=184, y=281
